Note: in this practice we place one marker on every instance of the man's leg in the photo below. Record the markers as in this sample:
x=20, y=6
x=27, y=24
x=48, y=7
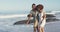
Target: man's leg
x=38, y=29
x=35, y=26
x=34, y=29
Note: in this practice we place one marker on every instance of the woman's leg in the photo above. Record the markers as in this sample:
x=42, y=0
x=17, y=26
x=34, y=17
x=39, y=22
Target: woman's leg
x=42, y=25
x=42, y=28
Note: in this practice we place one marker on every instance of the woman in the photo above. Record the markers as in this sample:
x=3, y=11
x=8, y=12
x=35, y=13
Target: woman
x=41, y=17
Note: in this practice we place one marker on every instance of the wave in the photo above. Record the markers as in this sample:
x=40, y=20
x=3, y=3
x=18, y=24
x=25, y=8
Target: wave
x=25, y=15
x=55, y=11
x=12, y=16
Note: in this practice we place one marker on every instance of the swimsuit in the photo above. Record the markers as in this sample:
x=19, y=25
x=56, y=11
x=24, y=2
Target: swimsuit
x=40, y=18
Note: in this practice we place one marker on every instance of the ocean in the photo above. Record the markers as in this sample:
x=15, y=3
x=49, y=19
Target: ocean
x=8, y=18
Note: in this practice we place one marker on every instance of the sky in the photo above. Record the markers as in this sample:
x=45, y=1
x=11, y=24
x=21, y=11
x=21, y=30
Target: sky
x=14, y=5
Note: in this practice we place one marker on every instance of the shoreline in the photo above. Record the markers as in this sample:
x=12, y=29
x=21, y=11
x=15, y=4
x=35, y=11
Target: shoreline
x=24, y=21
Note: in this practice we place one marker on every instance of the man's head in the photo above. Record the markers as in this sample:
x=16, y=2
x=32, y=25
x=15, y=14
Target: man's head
x=33, y=6
x=39, y=7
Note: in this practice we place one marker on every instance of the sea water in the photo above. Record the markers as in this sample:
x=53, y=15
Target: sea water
x=7, y=19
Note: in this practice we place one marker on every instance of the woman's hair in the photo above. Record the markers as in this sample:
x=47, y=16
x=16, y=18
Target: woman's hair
x=39, y=6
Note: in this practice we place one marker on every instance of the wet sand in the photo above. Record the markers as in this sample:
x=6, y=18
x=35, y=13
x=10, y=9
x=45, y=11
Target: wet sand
x=53, y=27
x=50, y=27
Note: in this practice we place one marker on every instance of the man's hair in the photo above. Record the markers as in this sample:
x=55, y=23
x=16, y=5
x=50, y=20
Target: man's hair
x=33, y=4
x=40, y=6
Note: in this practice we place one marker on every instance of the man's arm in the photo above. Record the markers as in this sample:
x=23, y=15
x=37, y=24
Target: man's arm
x=29, y=17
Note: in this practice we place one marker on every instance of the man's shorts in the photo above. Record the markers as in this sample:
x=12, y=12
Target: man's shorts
x=35, y=23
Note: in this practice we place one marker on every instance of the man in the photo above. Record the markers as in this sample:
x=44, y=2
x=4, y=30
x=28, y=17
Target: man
x=41, y=16
x=33, y=13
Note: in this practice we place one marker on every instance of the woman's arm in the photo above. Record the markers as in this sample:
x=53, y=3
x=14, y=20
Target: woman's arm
x=44, y=16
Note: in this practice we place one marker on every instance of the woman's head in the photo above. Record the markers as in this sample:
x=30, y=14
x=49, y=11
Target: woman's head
x=39, y=7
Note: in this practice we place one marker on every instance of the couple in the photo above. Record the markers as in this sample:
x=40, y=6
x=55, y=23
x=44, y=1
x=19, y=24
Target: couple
x=39, y=17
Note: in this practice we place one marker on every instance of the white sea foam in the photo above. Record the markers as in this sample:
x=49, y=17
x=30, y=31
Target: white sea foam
x=55, y=11
x=24, y=15
x=12, y=16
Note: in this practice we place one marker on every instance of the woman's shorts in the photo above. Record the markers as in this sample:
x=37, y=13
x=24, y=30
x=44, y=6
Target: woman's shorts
x=36, y=23
x=43, y=23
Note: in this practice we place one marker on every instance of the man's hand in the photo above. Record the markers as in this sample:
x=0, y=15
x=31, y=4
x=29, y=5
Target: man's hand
x=27, y=22
x=29, y=15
